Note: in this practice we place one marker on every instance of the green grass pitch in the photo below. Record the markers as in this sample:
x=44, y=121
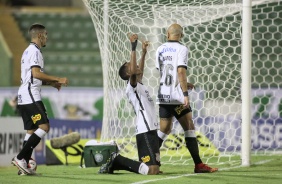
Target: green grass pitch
x=263, y=170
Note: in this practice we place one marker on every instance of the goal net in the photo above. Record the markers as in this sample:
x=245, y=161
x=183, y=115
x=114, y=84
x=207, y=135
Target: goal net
x=213, y=35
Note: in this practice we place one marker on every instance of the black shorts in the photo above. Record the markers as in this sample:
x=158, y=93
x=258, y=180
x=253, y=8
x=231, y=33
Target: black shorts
x=148, y=148
x=167, y=111
x=33, y=115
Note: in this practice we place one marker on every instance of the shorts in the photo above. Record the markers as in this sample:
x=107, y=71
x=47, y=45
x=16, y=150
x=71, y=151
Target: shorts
x=148, y=148
x=33, y=115
x=167, y=111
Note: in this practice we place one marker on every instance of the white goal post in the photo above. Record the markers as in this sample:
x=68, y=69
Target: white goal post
x=220, y=35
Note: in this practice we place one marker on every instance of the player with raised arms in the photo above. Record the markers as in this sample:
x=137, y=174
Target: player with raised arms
x=173, y=99
x=146, y=119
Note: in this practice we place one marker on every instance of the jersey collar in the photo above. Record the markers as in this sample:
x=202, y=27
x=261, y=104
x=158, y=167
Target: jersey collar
x=32, y=43
x=173, y=41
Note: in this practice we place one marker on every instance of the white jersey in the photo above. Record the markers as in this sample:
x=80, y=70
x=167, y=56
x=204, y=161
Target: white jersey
x=29, y=91
x=143, y=104
x=169, y=57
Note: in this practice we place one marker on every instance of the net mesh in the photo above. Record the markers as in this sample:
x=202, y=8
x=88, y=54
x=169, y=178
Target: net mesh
x=213, y=35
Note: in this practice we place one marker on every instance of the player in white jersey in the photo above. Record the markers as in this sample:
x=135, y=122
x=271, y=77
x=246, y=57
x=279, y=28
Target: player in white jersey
x=173, y=100
x=146, y=121
x=30, y=105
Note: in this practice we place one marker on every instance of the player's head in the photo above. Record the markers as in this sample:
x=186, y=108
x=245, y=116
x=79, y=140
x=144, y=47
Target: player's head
x=174, y=32
x=123, y=71
x=38, y=34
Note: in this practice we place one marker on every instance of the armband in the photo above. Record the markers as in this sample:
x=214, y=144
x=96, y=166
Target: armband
x=185, y=93
x=134, y=45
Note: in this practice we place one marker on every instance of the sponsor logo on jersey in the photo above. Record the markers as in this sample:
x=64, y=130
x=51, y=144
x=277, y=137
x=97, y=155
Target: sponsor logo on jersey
x=148, y=96
x=145, y=159
x=163, y=98
x=169, y=49
x=36, y=118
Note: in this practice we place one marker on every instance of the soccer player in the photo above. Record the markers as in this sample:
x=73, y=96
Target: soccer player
x=146, y=119
x=30, y=105
x=173, y=99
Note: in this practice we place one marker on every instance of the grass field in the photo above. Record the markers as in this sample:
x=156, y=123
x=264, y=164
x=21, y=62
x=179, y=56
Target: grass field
x=264, y=170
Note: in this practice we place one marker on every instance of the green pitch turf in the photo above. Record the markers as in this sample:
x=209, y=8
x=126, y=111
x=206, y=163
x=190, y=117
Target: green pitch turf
x=264, y=170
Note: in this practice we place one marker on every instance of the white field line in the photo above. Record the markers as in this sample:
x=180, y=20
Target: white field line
x=180, y=176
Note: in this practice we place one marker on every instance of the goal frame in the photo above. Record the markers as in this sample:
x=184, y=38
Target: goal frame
x=245, y=74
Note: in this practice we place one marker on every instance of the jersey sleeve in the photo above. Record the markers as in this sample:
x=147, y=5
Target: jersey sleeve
x=183, y=57
x=36, y=59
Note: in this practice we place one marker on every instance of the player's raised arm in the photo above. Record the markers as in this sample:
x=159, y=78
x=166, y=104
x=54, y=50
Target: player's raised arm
x=133, y=64
x=145, y=44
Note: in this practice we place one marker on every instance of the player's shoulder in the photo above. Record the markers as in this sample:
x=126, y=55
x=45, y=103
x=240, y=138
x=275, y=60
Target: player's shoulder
x=33, y=48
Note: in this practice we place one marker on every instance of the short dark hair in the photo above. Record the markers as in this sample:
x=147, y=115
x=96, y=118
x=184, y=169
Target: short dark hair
x=35, y=27
x=122, y=72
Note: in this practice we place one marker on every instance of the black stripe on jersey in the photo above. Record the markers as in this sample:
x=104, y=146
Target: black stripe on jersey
x=31, y=76
x=29, y=91
x=140, y=103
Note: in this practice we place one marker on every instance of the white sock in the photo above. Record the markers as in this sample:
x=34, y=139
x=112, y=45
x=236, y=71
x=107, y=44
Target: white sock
x=40, y=133
x=162, y=135
x=143, y=169
x=26, y=136
x=189, y=133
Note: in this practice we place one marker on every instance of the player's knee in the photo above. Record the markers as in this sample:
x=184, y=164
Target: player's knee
x=45, y=127
x=165, y=129
x=154, y=169
x=30, y=131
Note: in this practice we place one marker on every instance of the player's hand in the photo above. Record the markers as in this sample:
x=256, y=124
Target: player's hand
x=64, y=81
x=132, y=37
x=56, y=85
x=186, y=101
x=145, y=44
x=190, y=86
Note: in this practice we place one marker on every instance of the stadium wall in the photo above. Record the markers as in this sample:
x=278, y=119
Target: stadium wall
x=12, y=135
x=5, y=63
x=266, y=122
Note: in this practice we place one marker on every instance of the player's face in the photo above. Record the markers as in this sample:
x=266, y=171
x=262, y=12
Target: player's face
x=43, y=38
x=128, y=71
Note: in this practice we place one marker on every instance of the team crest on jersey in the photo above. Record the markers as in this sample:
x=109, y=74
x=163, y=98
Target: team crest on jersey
x=179, y=109
x=36, y=118
x=145, y=159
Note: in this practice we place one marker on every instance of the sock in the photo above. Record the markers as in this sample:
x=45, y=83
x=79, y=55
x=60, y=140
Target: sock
x=162, y=136
x=192, y=145
x=143, y=169
x=31, y=143
x=27, y=136
x=123, y=163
